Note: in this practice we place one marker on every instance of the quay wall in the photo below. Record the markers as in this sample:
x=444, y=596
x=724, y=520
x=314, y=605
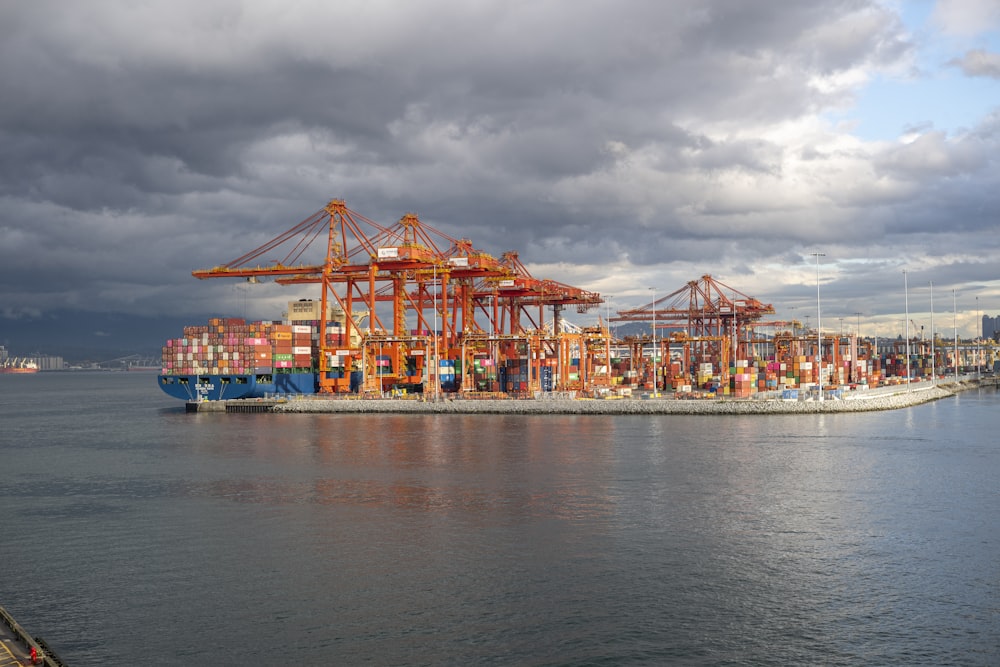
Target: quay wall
x=862, y=402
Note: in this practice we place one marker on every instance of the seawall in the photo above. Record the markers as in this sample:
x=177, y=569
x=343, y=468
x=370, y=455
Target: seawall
x=859, y=402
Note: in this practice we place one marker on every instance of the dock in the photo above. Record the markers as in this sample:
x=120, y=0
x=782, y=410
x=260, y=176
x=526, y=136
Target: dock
x=868, y=400
x=240, y=405
x=16, y=645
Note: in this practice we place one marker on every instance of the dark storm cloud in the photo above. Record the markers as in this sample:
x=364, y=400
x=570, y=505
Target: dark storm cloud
x=144, y=140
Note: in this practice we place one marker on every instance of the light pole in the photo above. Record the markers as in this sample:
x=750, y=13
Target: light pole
x=857, y=352
x=979, y=335
x=906, y=305
x=933, y=371
x=954, y=311
x=875, y=347
x=819, y=330
x=655, y=385
x=437, y=362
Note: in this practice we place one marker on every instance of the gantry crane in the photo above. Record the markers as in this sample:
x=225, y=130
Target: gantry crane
x=413, y=268
x=709, y=317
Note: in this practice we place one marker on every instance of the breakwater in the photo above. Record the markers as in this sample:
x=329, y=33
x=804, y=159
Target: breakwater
x=900, y=397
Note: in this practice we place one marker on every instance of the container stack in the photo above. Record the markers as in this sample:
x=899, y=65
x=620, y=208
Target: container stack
x=302, y=348
x=483, y=373
x=621, y=372
x=742, y=379
x=336, y=335
x=282, y=341
x=573, y=372
x=772, y=375
x=514, y=375
x=232, y=346
x=704, y=374
x=678, y=382
x=447, y=375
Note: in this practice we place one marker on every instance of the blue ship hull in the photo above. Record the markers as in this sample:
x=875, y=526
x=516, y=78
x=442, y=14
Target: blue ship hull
x=233, y=386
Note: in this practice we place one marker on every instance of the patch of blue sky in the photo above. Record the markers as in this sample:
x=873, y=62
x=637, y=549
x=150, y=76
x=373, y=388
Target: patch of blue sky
x=915, y=14
x=935, y=95
x=945, y=101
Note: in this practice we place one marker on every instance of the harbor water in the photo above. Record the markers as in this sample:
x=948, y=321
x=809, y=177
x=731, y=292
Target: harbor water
x=135, y=533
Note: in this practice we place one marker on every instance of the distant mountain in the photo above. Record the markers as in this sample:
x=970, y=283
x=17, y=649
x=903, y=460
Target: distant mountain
x=622, y=329
x=640, y=329
x=79, y=336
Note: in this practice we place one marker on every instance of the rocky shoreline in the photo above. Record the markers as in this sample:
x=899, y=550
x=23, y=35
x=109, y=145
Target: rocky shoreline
x=869, y=401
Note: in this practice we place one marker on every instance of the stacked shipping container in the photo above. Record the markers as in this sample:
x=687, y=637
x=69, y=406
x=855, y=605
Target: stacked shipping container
x=231, y=346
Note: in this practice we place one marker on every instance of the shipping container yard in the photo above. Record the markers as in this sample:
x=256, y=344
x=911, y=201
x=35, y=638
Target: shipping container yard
x=407, y=311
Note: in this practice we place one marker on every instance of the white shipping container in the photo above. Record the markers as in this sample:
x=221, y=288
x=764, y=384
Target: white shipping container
x=301, y=350
x=301, y=329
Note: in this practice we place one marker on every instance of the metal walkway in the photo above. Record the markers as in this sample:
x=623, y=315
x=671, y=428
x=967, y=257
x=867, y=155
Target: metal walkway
x=16, y=645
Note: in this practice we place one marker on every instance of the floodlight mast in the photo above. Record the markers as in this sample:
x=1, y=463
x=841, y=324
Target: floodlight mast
x=819, y=329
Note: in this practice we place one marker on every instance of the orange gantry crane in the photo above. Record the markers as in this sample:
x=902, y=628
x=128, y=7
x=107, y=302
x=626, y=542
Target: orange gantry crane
x=428, y=279
x=708, y=318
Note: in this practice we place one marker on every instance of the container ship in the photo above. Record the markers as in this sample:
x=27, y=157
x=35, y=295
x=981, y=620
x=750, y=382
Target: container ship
x=17, y=366
x=230, y=358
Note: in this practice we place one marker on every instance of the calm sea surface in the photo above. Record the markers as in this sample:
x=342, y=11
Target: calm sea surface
x=136, y=534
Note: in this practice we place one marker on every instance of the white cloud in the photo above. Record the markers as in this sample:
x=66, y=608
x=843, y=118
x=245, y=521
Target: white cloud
x=964, y=18
x=980, y=62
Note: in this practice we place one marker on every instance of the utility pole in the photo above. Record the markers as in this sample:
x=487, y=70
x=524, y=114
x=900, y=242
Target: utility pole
x=906, y=304
x=655, y=384
x=954, y=310
x=933, y=373
x=857, y=337
x=819, y=329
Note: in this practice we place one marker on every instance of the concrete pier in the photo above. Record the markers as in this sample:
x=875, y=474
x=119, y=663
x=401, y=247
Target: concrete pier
x=628, y=406
x=883, y=398
x=243, y=405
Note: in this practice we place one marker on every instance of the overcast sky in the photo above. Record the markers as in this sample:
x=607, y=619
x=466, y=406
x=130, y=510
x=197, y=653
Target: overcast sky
x=616, y=146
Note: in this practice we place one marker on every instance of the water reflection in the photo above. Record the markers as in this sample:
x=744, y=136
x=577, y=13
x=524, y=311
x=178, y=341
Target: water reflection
x=841, y=539
x=514, y=467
